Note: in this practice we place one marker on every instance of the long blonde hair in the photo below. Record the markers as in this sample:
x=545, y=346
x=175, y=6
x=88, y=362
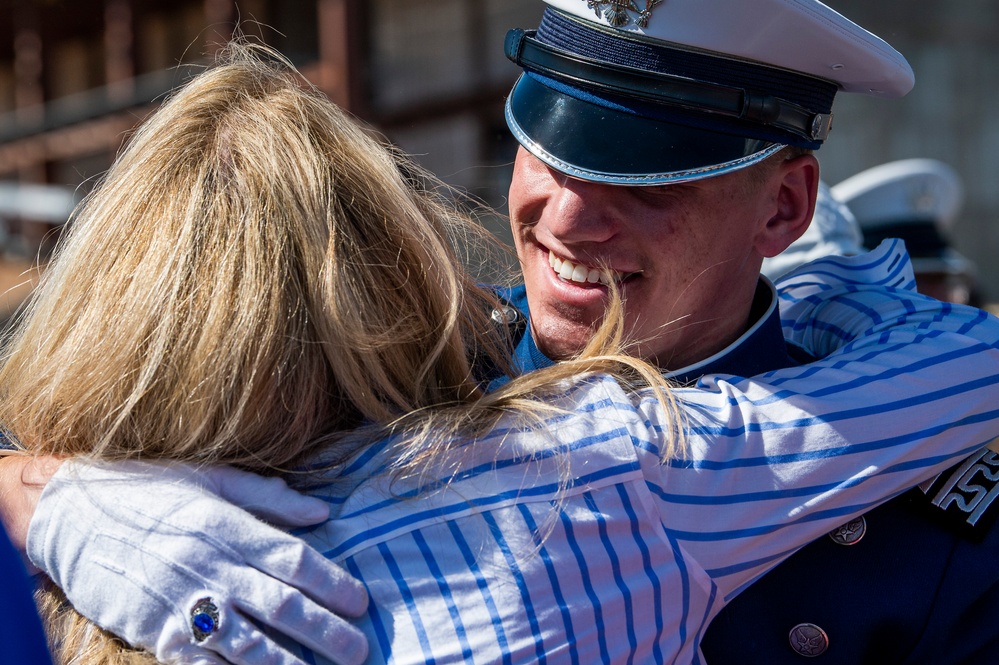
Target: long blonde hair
x=254, y=272
x=256, y=277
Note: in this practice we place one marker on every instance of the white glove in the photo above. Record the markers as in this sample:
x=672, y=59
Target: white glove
x=136, y=546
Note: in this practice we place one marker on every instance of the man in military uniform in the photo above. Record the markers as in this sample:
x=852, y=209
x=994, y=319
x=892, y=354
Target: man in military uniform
x=669, y=141
x=904, y=583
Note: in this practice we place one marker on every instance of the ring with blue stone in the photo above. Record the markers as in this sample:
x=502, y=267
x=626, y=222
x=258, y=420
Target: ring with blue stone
x=204, y=618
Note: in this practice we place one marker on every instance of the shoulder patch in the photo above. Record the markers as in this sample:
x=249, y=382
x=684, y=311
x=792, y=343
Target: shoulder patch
x=964, y=496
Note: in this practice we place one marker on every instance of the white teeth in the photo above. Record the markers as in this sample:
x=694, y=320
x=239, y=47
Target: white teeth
x=575, y=272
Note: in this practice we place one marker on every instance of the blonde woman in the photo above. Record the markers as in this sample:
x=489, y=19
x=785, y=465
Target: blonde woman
x=259, y=283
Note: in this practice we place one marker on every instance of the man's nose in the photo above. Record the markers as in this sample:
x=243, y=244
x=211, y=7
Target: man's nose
x=581, y=211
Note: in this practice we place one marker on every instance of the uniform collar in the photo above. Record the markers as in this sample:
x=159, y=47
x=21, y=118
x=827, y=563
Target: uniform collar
x=761, y=348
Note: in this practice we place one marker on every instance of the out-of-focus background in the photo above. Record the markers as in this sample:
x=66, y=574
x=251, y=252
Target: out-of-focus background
x=76, y=76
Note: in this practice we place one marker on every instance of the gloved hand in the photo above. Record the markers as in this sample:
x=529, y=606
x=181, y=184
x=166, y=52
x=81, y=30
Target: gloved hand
x=136, y=546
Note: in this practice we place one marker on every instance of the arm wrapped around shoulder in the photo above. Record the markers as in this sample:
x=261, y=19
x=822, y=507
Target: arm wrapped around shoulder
x=866, y=300
x=170, y=558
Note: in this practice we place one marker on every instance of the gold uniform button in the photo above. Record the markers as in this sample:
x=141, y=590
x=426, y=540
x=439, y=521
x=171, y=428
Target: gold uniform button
x=808, y=640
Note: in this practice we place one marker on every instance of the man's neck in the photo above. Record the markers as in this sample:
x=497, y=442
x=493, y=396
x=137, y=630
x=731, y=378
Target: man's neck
x=717, y=335
x=760, y=348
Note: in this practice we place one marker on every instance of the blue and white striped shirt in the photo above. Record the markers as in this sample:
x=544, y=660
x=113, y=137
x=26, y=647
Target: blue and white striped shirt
x=630, y=559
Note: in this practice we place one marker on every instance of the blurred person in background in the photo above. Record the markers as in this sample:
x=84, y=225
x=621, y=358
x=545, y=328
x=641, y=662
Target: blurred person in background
x=915, y=200
x=918, y=201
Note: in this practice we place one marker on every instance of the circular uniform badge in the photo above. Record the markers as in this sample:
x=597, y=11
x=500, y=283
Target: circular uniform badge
x=808, y=640
x=505, y=315
x=849, y=533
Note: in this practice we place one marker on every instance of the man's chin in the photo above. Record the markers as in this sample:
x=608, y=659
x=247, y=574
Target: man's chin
x=563, y=341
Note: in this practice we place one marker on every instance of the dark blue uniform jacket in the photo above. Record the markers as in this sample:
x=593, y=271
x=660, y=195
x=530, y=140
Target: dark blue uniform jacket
x=21, y=638
x=916, y=581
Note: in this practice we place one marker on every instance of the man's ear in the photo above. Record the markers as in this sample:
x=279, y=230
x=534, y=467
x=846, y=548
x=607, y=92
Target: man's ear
x=797, y=183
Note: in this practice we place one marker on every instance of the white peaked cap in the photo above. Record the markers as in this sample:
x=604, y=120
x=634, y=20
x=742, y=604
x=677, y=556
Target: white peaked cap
x=649, y=92
x=804, y=36
x=903, y=191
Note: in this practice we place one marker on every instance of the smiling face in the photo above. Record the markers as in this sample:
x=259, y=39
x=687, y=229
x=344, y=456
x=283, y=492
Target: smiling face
x=686, y=256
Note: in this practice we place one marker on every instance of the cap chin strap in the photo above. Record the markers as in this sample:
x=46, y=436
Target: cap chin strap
x=677, y=91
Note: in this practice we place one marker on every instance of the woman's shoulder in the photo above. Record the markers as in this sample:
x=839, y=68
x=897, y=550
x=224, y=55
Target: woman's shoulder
x=586, y=440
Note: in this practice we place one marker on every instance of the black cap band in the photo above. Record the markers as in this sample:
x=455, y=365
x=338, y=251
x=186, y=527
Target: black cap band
x=666, y=89
x=611, y=106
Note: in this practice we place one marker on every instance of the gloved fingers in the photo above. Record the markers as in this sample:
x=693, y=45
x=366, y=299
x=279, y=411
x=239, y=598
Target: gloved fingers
x=304, y=596
x=256, y=556
x=271, y=654
x=250, y=593
x=210, y=629
x=195, y=655
x=269, y=568
x=311, y=625
x=238, y=640
x=293, y=562
x=135, y=541
x=269, y=499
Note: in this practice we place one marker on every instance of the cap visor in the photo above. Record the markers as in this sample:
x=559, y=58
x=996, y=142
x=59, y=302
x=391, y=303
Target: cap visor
x=592, y=142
